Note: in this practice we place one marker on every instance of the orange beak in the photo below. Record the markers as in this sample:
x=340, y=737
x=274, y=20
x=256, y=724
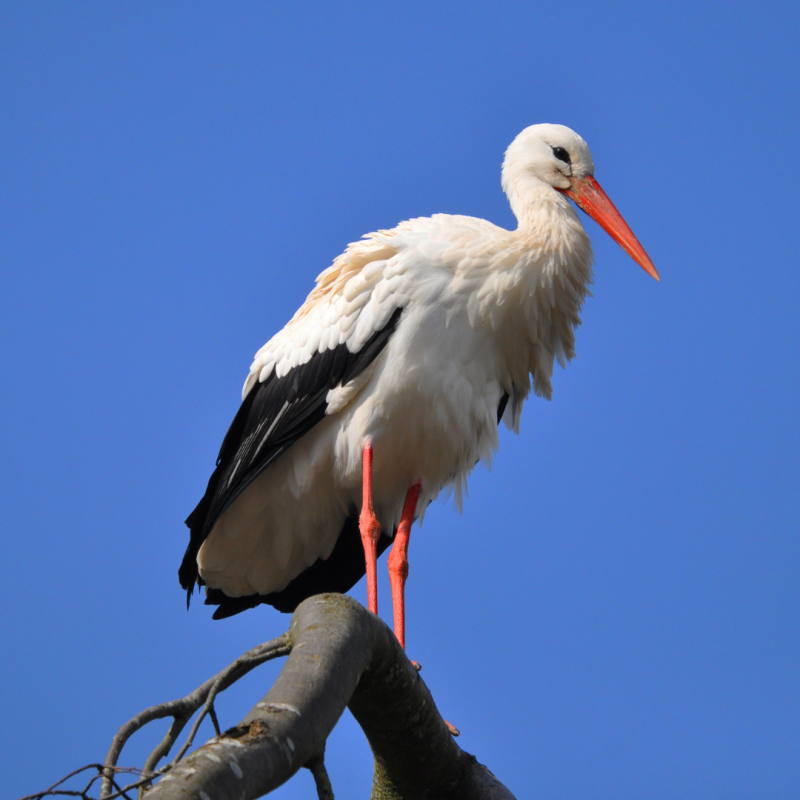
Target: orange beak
x=588, y=195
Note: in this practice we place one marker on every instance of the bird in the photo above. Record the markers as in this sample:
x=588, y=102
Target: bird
x=389, y=384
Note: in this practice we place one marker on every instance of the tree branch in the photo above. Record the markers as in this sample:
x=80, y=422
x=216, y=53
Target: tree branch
x=340, y=655
x=183, y=709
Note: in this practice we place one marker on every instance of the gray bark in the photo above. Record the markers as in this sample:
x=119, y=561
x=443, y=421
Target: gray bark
x=342, y=655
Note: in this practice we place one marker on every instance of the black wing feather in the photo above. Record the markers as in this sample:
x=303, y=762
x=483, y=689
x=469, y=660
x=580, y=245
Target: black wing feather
x=274, y=415
x=501, y=408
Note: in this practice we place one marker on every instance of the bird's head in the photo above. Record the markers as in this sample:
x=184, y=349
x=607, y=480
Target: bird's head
x=555, y=156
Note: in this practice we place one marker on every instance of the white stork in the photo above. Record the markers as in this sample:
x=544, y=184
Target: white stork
x=389, y=384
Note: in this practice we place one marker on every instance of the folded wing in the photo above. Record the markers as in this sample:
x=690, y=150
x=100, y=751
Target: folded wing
x=339, y=331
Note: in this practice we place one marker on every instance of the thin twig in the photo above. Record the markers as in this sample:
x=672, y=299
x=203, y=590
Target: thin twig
x=200, y=717
x=85, y=792
x=72, y=774
x=164, y=746
x=214, y=721
x=136, y=785
x=116, y=786
x=54, y=791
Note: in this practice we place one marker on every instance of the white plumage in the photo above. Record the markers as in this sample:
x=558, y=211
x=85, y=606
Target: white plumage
x=484, y=314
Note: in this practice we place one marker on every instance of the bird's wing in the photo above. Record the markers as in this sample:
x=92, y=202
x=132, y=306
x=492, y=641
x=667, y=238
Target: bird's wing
x=336, y=334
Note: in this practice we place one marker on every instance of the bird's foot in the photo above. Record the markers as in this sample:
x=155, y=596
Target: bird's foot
x=452, y=728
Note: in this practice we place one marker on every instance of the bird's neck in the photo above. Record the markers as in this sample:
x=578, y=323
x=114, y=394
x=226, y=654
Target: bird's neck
x=538, y=207
x=533, y=299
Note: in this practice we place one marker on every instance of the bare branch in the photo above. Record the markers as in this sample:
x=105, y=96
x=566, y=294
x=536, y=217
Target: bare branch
x=163, y=748
x=214, y=721
x=51, y=790
x=316, y=766
x=183, y=709
x=100, y=769
x=340, y=654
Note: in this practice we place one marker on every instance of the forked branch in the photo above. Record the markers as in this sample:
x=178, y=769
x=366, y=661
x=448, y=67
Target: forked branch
x=182, y=710
x=340, y=655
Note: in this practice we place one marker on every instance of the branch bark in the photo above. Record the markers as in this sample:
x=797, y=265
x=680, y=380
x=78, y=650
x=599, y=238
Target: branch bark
x=341, y=655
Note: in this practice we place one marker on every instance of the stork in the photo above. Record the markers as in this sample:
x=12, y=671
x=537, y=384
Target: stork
x=389, y=384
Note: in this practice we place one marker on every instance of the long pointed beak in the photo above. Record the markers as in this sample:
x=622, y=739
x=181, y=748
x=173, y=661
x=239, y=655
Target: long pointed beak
x=590, y=197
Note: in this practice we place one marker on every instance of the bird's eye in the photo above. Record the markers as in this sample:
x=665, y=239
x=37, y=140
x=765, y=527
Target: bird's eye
x=561, y=154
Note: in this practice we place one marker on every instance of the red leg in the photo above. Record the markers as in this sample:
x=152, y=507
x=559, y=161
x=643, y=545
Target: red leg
x=398, y=563
x=370, y=530
x=398, y=571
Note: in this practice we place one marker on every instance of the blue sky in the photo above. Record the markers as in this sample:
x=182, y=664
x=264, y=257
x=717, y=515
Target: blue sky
x=615, y=614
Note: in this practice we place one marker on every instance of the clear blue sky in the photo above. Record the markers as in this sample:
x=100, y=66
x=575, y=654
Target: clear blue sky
x=615, y=614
